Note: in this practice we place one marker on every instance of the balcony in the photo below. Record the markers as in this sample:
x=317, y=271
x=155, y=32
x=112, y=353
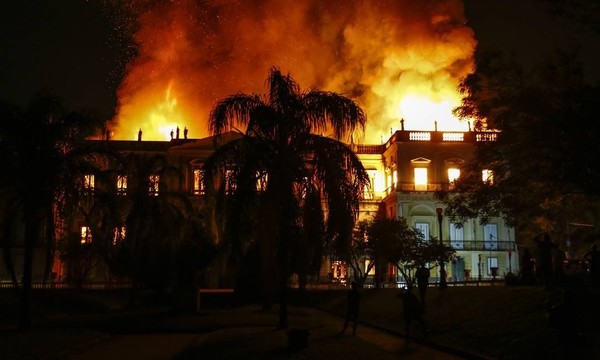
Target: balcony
x=481, y=245
x=410, y=186
x=442, y=136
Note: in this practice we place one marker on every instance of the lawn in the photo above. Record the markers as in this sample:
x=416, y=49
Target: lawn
x=503, y=322
x=494, y=321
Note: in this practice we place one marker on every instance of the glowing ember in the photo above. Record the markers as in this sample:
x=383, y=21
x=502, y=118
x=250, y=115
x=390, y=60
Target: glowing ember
x=397, y=58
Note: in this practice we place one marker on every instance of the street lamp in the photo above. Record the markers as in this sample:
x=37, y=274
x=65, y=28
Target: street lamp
x=443, y=283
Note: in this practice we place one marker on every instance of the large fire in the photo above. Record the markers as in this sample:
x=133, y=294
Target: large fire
x=399, y=59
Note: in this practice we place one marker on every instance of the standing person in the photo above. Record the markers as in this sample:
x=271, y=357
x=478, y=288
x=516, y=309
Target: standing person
x=422, y=276
x=545, y=248
x=594, y=259
x=412, y=311
x=527, y=266
x=353, y=308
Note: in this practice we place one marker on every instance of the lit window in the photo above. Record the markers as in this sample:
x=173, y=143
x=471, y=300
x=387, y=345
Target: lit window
x=423, y=229
x=121, y=184
x=453, y=174
x=262, y=179
x=457, y=235
x=492, y=263
x=199, y=187
x=369, y=191
x=487, y=176
x=395, y=177
x=230, y=185
x=389, y=181
x=118, y=235
x=86, y=235
x=88, y=182
x=421, y=179
x=371, y=270
x=338, y=270
x=153, y=181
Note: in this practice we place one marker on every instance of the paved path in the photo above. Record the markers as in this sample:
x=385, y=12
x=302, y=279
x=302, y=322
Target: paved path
x=248, y=333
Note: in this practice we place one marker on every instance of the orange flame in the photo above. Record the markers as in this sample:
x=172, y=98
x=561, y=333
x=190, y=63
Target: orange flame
x=399, y=59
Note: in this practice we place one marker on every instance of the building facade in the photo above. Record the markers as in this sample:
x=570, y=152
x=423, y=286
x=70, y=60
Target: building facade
x=405, y=173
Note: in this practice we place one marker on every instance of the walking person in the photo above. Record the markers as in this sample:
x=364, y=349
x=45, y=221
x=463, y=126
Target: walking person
x=353, y=308
x=412, y=312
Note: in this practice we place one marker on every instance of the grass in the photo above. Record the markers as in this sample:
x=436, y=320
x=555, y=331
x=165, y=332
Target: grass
x=494, y=321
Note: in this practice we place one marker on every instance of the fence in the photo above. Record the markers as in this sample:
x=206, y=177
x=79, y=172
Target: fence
x=88, y=285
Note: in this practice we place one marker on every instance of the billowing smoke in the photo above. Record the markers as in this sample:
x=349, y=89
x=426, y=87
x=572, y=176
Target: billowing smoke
x=397, y=58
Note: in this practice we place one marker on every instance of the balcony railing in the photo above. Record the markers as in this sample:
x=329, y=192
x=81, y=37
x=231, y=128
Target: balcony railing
x=444, y=136
x=481, y=245
x=410, y=186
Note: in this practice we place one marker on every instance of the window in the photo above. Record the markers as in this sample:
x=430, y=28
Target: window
x=421, y=179
x=153, y=181
x=338, y=270
x=457, y=236
x=118, y=235
x=86, y=235
x=89, y=182
x=487, y=176
x=492, y=262
x=367, y=264
x=122, y=184
x=423, y=228
x=199, y=184
x=368, y=190
x=230, y=185
x=453, y=174
x=262, y=179
x=395, y=178
x=490, y=236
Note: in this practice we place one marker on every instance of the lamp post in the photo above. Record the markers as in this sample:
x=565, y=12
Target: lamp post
x=443, y=283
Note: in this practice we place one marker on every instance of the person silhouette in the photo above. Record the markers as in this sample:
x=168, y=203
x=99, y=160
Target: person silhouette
x=140, y=135
x=527, y=265
x=185, y=132
x=171, y=133
x=545, y=248
x=353, y=308
x=593, y=257
x=177, y=133
x=412, y=312
x=422, y=276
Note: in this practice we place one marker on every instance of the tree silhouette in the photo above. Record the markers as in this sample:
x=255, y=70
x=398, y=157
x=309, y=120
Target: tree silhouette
x=281, y=147
x=38, y=146
x=544, y=159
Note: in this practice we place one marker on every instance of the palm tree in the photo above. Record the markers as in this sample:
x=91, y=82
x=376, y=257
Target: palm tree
x=281, y=147
x=37, y=146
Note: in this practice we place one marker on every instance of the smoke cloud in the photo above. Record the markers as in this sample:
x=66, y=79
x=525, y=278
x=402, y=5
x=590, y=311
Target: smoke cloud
x=396, y=58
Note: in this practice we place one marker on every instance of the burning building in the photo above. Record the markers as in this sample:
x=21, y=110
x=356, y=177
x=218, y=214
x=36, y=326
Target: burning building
x=401, y=60
x=405, y=173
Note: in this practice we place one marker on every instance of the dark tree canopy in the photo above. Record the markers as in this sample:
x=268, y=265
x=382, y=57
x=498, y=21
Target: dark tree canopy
x=283, y=149
x=545, y=160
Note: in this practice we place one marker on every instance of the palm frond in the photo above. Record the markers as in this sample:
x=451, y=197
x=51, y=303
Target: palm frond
x=325, y=109
x=233, y=111
x=342, y=178
x=282, y=89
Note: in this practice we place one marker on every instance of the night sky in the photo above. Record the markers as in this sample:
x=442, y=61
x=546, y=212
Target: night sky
x=79, y=50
